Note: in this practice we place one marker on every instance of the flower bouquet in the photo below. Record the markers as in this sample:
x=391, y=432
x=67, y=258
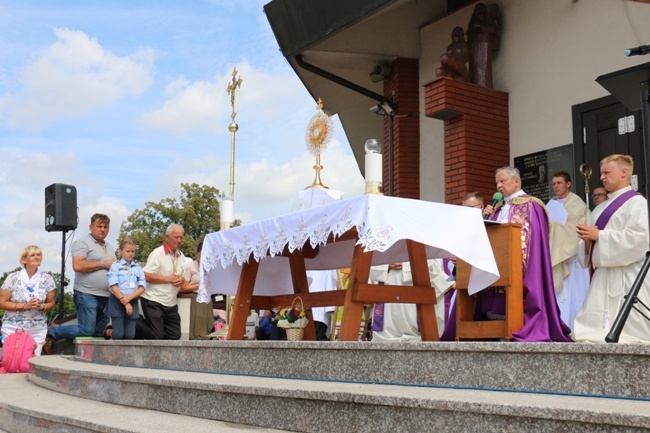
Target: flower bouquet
x=293, y=319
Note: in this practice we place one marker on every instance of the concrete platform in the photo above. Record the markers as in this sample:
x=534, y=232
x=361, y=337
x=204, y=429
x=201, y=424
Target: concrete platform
x=232, y=386
x=337, y=406
x=577, y=369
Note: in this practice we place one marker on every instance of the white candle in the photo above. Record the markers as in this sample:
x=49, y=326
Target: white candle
x=374, y=169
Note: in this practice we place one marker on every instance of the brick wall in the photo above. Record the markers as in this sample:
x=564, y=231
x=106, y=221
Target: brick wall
x=403, y=88
x=477, y=139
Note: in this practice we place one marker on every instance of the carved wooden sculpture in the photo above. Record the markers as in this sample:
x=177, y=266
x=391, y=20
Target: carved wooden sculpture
x=483, y=37
x=453, y=63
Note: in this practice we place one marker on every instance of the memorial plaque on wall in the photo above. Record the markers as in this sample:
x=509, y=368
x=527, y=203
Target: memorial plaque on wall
x=537, y=168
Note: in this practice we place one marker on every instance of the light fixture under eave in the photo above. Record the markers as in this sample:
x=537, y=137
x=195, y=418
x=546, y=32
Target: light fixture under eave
x=385, y=108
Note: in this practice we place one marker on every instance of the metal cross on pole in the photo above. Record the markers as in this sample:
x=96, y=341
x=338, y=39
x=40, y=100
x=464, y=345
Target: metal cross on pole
x=233, y=127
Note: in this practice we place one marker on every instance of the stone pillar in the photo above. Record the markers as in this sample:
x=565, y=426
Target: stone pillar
x=477, y=135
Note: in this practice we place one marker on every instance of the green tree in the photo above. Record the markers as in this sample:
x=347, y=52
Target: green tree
x=197, y=210
x=68, y=307
x=6, y=274
x=68, y=303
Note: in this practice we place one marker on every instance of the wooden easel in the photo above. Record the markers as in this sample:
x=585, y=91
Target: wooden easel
x=359, y=292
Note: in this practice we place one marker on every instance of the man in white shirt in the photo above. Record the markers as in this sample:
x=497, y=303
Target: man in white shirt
x=164, y=274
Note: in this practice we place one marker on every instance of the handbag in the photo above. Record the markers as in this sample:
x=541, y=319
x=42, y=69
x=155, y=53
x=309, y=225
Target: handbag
x=17, y=350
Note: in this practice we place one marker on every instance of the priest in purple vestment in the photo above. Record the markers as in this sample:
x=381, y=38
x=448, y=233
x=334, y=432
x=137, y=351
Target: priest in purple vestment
x=471, y=199
x=541, y=314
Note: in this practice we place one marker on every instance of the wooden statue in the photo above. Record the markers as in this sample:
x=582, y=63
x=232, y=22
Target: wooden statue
x=483, y=37
x=453, y=63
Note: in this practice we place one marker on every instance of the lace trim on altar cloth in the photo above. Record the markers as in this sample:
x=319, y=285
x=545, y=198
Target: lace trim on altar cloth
x=380, y=223
x=293, y=238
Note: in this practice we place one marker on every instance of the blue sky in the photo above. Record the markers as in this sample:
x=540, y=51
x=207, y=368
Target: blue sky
x=127, y=99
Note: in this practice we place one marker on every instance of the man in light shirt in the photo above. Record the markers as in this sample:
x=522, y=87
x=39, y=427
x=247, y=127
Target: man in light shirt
x=164, y=274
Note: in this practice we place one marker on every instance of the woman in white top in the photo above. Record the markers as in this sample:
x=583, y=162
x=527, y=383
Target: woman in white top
x=25, y=296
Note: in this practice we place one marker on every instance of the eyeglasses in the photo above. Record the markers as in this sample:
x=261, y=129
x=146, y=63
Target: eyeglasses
x=599, y=195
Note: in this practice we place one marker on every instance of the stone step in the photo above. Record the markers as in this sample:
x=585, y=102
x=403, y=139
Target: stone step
x=28, y=408
x=336, y=406
x=578, y=369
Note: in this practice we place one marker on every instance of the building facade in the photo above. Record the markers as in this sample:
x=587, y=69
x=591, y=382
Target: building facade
x=545, y=107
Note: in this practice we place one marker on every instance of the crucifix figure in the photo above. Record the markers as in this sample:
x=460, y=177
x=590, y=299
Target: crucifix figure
x=232, y=87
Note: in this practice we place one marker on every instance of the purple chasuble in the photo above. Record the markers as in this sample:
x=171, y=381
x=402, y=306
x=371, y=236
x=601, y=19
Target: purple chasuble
x=447, y=267
x=449, y=333
x=378, y=315
x=541, y=314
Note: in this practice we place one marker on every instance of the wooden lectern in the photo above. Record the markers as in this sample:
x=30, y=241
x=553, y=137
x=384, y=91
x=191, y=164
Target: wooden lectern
x=506, y=246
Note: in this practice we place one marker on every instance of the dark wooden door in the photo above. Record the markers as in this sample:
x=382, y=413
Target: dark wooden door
x=596, y=135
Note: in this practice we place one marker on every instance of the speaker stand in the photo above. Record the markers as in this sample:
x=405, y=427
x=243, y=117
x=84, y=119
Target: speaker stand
x=62, y=282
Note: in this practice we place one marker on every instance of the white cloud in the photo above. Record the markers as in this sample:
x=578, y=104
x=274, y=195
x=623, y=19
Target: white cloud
x=116, y=167
x=23, y=178
x=71, y=77
x=191, y=106
x=206, y=105
x=264, y=189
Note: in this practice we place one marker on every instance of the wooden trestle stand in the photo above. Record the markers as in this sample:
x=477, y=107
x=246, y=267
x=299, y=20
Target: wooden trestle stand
x=359, y=292
x=506, y=246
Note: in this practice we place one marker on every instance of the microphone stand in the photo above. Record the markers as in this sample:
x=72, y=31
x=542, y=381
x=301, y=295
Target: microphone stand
x=632, y=297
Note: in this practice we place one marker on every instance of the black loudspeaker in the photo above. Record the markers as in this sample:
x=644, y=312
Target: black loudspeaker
x=60, y=207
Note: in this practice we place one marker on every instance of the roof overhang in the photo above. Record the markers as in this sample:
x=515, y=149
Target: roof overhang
x=349, y=38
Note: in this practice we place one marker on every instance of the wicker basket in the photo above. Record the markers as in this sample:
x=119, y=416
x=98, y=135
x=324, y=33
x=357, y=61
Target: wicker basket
x=295, y=334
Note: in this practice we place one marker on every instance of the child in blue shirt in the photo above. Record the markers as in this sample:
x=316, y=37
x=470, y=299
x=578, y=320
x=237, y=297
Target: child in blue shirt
x=126, y=282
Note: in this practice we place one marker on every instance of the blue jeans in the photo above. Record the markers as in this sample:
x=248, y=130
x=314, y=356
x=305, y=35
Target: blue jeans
x=91, y=320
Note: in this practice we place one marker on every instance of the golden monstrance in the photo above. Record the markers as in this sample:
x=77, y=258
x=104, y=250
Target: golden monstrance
x=317, y=137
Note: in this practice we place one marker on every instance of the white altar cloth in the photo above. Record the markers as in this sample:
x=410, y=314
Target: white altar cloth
x=383, y=223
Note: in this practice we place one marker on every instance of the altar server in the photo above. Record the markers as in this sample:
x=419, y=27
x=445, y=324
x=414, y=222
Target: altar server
x=614, y=245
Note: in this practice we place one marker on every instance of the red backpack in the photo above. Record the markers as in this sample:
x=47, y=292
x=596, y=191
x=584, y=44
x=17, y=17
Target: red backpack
x=17, y=350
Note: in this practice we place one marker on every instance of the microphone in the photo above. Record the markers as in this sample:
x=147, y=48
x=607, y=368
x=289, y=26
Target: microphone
x=638, y=51
x=496, y=198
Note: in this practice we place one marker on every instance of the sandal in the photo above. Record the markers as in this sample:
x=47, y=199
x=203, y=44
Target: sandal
x=108, y=332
